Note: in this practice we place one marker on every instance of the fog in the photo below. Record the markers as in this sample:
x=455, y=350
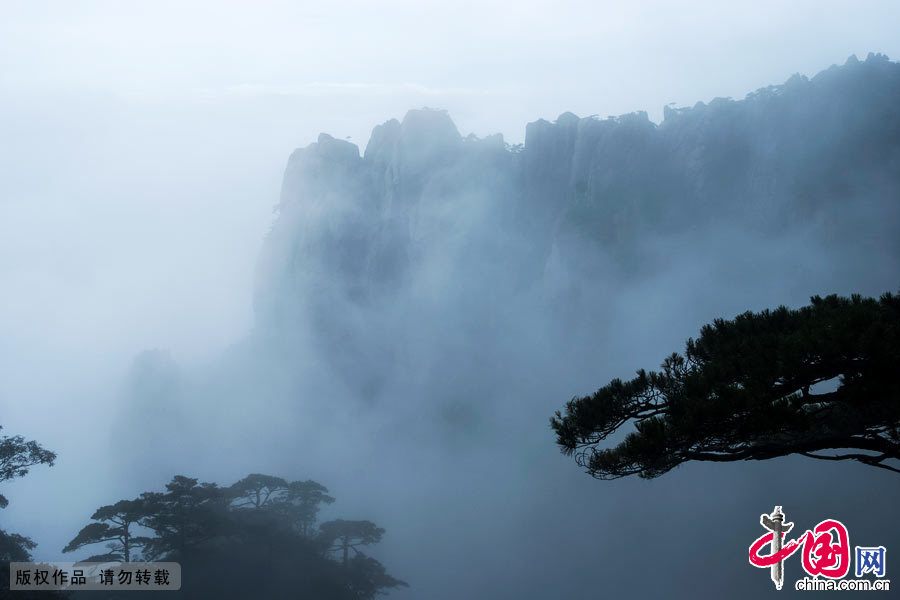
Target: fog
x=173, y=300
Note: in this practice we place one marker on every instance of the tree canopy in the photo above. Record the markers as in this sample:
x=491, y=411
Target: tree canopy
x=186, y=516
x=343, y=536
x=297, y=501
x=17, y=456
x=820, y=381
x=115, y=524
x=263, y=526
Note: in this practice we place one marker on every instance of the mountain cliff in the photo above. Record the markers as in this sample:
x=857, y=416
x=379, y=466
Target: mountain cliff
x=367, y=249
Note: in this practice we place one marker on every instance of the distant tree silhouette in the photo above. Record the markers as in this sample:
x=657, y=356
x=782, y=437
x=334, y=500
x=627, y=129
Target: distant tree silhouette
x=251, y=539
x=115, y=525
x=302, y=503
x=15, y=547
x=745, y=390
x=297, y=501
x=17, y=456
x=367, y=577
x=184, y=517
x=257, y=490
x=342, y=536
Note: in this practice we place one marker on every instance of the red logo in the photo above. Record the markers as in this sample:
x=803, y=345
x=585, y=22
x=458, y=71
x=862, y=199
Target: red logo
x=825, y=548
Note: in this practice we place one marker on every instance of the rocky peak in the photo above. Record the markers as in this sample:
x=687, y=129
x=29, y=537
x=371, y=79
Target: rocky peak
x=783, y=157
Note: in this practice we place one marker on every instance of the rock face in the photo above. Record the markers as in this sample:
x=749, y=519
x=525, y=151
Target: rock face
x=367, y=248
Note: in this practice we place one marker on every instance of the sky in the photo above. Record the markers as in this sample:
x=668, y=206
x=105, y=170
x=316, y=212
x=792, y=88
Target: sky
x=142, y=147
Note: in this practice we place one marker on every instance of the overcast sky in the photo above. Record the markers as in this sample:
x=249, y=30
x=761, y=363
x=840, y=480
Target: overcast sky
x=495, y=65
x=142, y=145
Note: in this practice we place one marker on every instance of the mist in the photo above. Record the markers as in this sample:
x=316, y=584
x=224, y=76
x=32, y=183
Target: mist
x=196, y=281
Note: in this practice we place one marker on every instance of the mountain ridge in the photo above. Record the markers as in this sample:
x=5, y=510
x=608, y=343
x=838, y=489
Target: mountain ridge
x=354, y=229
